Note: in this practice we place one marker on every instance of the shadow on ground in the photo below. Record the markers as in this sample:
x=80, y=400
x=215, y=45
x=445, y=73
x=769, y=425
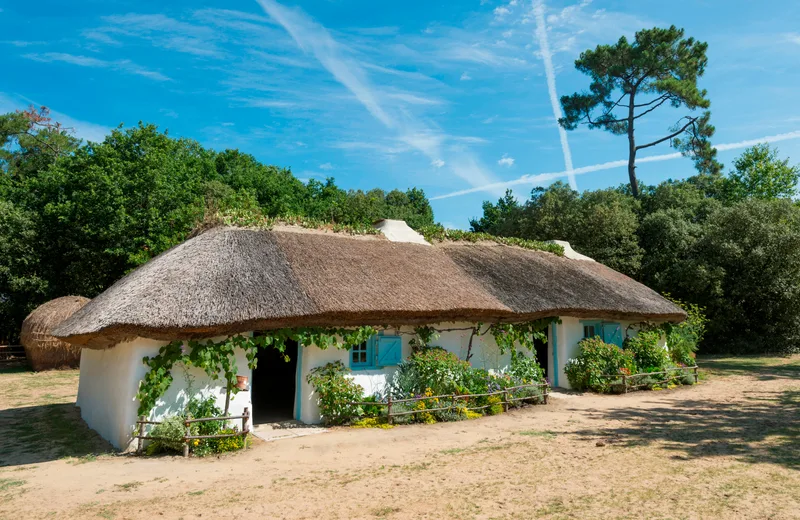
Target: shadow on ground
x=761, y=368
x=48, y=432
x=765, y=427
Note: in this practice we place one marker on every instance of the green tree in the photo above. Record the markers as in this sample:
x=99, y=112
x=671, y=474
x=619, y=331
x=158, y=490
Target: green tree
x=502, y=219
x=758, y=173
x=21, y=283
x=631, y=80
x=747, y=271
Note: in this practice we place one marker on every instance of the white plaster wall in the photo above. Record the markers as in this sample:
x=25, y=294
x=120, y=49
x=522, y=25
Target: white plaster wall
x=569, y=333
x=485, y=354
x=109, y=380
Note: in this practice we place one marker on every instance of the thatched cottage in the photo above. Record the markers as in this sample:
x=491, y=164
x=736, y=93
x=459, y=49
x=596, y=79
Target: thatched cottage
x=229, y=281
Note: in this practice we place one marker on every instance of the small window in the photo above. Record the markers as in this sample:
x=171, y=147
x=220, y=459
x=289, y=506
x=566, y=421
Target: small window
x=588, y=331
x=361, y=356
x=376, y=352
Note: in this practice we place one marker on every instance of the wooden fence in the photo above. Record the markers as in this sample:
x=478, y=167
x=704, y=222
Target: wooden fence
x=12, y=356
x=628, y=378
x=507, y=399
x=188, y=437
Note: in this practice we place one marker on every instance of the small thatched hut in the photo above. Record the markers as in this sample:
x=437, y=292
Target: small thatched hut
x=229, y=281
x=44, y=351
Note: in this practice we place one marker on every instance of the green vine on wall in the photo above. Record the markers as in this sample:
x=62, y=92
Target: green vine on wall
x=218, y=358
x=507, y=335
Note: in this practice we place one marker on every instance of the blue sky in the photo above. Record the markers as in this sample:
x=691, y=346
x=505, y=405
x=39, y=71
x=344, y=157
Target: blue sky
x=452, y=97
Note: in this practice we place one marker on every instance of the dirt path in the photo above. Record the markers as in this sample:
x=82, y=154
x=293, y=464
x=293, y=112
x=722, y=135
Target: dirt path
x=726, y=448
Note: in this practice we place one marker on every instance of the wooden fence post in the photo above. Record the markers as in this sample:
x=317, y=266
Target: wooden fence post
x=140, y=446
x=246, y=418
x=546, y=393
x=505, y=400
x=389, y=410
x=624, y=384
x=186, y=440
x=695, y=375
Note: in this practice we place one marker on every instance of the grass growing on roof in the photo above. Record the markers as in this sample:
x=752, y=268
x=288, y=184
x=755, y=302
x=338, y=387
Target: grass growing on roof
x=438, y=233
x=250, y=218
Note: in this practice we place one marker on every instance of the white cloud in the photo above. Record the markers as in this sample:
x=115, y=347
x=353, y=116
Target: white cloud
x=793, y=38
x=465, y=77
x=87, y=61
x=506, y=161
x=547, y=58
x=500, y=12
x=438, y=163
x=414, y=99
x=163, y=31
x=339, y=60
x=168, y=112
x=489, y=120
x=544, y=177
x=327, y=166
x=228, y=123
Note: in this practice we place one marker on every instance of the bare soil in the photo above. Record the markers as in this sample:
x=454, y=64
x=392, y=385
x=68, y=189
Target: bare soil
x=727, y=448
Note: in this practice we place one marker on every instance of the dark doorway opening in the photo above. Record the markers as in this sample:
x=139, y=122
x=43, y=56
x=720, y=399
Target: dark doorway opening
x=540, y=347
x=273, y=387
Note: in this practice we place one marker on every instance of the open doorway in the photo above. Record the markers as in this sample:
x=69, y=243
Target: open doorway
x=273, y=386
x=540, y=348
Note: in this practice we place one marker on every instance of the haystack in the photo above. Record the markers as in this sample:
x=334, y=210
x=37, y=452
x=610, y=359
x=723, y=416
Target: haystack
x=43, y=350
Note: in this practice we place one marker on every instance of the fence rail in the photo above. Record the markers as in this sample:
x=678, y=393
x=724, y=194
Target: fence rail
x=188, y=437
x=505, y=401
x=626, y=378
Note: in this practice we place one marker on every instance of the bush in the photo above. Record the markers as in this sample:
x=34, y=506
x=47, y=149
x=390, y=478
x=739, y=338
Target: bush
x=201, y=409
x=334, y=390
x=430, y=368
x=683, y=338
x=525, y=370
x=597, y=358
x=170, y=435
x=647, y=353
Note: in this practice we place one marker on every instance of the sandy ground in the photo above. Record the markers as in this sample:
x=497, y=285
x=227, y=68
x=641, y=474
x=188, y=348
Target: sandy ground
x=728, y=448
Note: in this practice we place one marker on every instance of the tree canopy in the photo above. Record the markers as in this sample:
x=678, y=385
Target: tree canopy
x=728, y=243
x=631, y=80
x=75, y=217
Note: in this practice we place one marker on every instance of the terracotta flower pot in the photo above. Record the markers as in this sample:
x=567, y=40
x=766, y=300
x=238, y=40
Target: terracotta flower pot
x=241, y=382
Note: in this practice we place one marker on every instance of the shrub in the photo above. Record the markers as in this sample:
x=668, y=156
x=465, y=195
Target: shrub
x=199, y=409
x=597, y=358
x=334, y=390
x=525, y=370
x=227, y=443
x=647, y=353
x=430, y=368
x=683, y=338
x=170, y=435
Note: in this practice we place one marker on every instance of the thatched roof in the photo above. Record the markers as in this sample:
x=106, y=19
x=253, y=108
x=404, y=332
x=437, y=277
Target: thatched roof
x=42, y=350
x=229, y=280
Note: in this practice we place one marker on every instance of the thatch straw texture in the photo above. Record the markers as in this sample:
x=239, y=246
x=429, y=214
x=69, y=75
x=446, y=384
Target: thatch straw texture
x=42, y=350
x=230, y=280
x=537, y=284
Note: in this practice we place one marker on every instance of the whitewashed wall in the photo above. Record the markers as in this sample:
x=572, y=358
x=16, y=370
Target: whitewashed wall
x=568, y=334
x=109, y=380
x=485, y=354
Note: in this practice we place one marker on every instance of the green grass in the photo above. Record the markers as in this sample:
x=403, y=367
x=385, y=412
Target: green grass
x=128, y=486
x=547, y=434
x=9, y=483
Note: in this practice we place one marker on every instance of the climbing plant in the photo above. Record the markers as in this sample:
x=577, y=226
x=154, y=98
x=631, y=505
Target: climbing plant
x=507, y=335
x=218, y=358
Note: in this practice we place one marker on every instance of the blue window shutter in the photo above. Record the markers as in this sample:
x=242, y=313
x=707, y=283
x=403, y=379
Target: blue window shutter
x=612, y=333
x=390, y=350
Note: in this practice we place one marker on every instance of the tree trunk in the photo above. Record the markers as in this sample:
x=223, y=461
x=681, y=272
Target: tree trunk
x=632, y=150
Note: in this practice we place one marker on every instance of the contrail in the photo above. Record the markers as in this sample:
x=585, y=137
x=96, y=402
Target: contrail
x=543, y=177
x=547, y=58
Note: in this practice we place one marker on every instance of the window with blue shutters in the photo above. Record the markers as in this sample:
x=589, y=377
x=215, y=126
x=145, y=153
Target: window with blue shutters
x=377, y=352
x=608, y=331
x=612, y=333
